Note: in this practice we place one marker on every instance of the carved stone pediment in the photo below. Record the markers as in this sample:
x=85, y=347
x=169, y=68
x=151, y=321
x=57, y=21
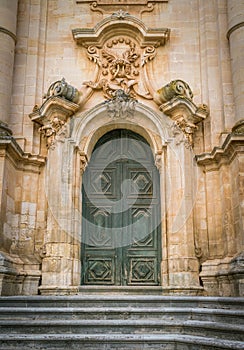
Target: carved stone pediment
x=121, y=46
x=54, y=113
x=175, y=100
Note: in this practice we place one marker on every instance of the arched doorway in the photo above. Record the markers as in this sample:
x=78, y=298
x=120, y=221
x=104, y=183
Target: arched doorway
x=121, y=233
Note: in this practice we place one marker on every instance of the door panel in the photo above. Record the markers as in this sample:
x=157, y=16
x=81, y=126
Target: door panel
x=121, y=213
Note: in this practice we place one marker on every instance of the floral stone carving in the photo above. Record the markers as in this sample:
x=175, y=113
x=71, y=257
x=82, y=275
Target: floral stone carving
x=175, y=100
x=121, y=47
x=121, y=106
x=54, y=113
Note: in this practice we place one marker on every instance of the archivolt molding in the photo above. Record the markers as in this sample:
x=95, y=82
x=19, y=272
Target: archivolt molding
x=96, y=122
x=121, y=46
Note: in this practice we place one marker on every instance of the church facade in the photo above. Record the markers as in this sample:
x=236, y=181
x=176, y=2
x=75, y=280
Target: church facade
x=122, y=146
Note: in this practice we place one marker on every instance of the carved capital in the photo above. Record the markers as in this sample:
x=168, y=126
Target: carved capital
x=54, y=113
x=158, y=160
x=175, y=100
x=83, y=161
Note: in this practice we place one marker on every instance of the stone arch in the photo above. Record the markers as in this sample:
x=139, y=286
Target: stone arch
x=95, y=123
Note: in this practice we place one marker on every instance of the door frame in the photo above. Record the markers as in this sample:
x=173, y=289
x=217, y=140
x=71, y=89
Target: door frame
x=129, y=251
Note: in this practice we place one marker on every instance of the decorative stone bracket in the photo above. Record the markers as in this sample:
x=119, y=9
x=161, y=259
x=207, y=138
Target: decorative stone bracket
x=54, y=113
x=175, y=100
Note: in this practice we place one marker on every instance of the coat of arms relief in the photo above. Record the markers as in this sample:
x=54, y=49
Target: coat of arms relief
x=121, y=63
x=121, y=46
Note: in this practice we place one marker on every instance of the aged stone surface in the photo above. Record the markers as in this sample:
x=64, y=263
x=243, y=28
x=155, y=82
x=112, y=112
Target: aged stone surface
x=127, y=70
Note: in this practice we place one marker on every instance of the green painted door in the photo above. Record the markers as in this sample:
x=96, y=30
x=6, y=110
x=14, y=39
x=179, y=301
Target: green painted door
x=121, y=237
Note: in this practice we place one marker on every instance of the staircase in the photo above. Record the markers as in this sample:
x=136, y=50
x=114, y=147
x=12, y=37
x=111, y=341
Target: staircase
x=121, y=321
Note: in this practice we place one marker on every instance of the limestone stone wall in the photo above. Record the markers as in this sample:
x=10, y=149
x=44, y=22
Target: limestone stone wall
x=46, y=143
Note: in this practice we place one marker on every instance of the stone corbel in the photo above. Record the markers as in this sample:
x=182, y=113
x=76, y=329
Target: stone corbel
x=52, y=117
x=175, y=100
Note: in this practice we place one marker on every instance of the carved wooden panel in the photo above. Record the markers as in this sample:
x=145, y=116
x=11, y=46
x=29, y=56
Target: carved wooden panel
x=142, y=270
x=99, y=271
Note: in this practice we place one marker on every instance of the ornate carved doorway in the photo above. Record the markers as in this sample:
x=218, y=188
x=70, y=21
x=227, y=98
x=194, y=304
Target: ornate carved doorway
x=121, y=238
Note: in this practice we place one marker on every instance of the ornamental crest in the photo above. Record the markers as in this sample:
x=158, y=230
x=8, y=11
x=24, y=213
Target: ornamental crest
x=120, y=62
x=120, y=47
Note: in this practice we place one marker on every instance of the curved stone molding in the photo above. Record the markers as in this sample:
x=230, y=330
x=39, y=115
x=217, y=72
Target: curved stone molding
x=54, y=113
x=232, y=29
x=175, y=100
x=120, y=23
x=121, y=47
x=9, y=33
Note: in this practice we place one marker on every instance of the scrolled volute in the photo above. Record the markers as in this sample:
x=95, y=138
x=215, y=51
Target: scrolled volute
x=171, y=90
x=62, y=89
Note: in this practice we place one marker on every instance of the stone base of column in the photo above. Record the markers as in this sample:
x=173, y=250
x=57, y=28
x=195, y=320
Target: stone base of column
x=31, y=283
x=224, y=277
x=58, y=290
x=11, y=275
x=197, y=291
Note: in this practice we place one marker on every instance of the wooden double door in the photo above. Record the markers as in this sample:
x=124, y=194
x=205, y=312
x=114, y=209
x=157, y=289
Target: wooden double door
x=121, y=238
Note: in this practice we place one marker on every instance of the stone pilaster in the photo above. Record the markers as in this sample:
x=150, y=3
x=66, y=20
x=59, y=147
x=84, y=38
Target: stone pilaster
x=8, y=17
x=235, y=35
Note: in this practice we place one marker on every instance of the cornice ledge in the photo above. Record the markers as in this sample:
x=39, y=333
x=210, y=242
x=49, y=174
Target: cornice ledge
x=233, y=144
x=53, y=105
x=122, y=22
x=10, y=147
x=183, y=105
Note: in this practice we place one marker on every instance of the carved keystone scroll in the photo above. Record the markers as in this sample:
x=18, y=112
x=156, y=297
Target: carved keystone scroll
x=175, y=100
x=54, y=113
x=121, y=47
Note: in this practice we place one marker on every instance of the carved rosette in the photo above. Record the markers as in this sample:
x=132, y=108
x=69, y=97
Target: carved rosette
x=175, y=100
x=55, y=112
x=121, y=47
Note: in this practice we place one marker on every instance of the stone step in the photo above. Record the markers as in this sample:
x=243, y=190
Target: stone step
x=164, y=313
x=115, y=341
x=98, y=300
x=189, y=327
